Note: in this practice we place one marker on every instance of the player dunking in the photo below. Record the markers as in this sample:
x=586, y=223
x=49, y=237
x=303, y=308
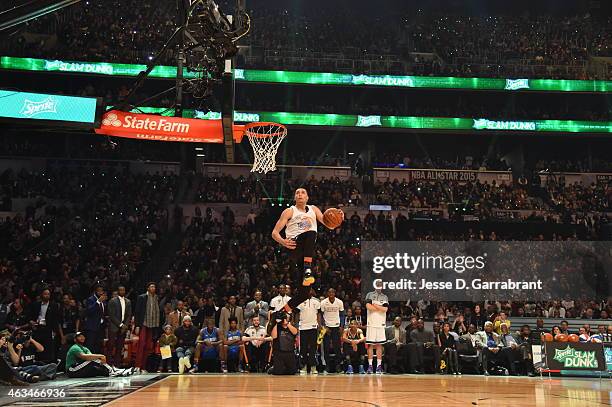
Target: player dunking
x=301, y=235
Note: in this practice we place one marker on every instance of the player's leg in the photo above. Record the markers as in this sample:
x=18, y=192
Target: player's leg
x=335, y=344
x=223, y=355
x=309, y=240
x=301, y=267
x=379, y=358
x=370, y=357
x=361, y=351
x=241, y=359
x=375, y=337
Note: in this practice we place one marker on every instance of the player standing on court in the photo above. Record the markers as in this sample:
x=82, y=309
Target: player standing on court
x=300, y=221
x=377, y=304
x=333, y=312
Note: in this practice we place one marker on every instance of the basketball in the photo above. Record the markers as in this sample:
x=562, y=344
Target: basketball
x=561, y=338
x=333, y=217
x=547, y=337
x=573, y=338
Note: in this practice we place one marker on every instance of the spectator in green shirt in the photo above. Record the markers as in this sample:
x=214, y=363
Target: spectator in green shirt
x=80, y=362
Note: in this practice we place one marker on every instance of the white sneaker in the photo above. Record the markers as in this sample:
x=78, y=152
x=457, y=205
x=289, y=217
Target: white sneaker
x=116, y=373
x=303, y=371
x=314, y=371
x=181, y=365
x=127, y=372
x=187, y=362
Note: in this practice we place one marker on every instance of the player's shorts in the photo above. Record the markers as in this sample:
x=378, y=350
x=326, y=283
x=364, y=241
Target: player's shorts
x=375, y=335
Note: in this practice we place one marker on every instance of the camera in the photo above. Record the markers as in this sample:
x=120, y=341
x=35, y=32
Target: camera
x=279, y=316
x=19, y=338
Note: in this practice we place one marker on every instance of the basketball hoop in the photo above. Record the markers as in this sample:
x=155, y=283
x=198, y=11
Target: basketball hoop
x=265, y=138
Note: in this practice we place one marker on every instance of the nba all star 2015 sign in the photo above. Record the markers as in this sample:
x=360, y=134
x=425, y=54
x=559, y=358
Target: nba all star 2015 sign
x=162, y=128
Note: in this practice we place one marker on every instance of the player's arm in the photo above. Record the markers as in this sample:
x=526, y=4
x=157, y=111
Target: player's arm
x=229, y=342
x=280, y=224
x=345, y=338
x=14, y=354
x=220, y=338
x=292, y=329
x=376, y=307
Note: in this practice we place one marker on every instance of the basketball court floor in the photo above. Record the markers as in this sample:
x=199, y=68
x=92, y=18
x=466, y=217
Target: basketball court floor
x=333, y=390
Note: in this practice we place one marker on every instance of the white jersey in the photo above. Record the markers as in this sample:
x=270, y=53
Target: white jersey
x=279, y=302
x=331, y=312
x=309, y=310
x=301, y=222
x=377, y=318
x=260, y=332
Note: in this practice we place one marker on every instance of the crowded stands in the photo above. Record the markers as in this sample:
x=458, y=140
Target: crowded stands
x=103, y=237
x=400, y=40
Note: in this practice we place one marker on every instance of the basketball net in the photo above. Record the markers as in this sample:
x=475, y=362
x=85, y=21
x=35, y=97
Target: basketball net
x=265, y=138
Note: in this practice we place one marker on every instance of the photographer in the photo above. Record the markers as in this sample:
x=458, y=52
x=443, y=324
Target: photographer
x=283, y=345
x=22, y=350
x=10, y=375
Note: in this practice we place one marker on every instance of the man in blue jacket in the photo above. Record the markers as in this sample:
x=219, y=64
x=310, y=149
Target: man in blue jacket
x=95, y=318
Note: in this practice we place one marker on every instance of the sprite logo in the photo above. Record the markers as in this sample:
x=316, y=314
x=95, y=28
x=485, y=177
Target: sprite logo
x=485, y=124
x=516, y=84
x=238, y=73
x=31, y=108
x=571, y=357
x=368, y=121
x=208, y=115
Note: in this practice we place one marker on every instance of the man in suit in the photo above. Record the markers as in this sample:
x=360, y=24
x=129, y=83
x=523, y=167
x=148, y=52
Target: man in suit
x=44, y=320
x=119, y=316
x=175, y=318
x=396, y=350
x=257, y=307
x=148, y=319
x=421, y=341
x=231, y=310
x=95, y=319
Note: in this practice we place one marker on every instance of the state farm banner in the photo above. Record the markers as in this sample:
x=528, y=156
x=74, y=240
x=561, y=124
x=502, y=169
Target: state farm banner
x=163, y=128
x=575, y=356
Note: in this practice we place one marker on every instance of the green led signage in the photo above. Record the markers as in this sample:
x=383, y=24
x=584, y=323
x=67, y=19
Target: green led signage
x=90, y=68
x=316, y=78
x=400, y=122
x=40, y=106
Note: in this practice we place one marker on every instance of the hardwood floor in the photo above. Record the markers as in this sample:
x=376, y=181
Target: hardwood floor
x=373, y=391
